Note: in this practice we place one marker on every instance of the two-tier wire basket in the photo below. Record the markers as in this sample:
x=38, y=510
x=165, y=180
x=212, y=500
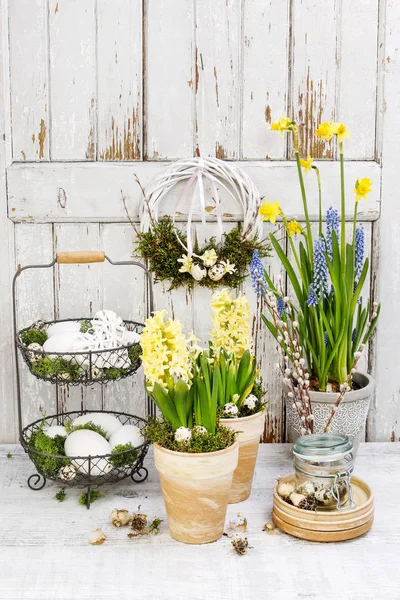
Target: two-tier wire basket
x=81, y=368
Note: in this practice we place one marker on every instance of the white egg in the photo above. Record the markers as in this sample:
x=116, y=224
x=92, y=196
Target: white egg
x=88, y=443
x=53, y=430
x=108, y=422
x=125, y=435
x=63, y=327
x=60, y=343
x=131, y=337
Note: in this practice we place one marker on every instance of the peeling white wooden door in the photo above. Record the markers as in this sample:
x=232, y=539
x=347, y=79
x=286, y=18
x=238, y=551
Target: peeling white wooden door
x=95, y=91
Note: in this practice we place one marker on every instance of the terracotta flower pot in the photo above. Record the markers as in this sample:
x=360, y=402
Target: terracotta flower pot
x=250, y=430
x=350, y=417
x=196, y=490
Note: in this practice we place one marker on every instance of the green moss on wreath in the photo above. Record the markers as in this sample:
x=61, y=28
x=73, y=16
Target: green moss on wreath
x=161, y=248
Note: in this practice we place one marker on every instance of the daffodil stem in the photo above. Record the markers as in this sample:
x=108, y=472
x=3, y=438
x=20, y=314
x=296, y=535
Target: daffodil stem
x=343, y=209
x=305, y=206
x=319, y=200
x=355, y=223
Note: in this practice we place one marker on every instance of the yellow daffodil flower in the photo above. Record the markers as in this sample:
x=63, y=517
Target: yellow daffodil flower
x=306, y=164
x=269, y=211
x=209, y=258
x=341, y=131
x=283, y=124
x=325, y=131
x=293, y=227
x=187, y=263
x=362, y=188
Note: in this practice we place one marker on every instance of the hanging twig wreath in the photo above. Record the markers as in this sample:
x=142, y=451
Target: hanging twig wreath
x=177, y=256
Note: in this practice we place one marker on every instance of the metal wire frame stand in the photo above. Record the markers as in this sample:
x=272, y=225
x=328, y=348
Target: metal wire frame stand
x=91, y=471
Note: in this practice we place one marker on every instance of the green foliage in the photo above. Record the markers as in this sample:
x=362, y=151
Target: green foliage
x=9, y=455
x=162, y=433
x=154, y=527
x=86, y=326
x=94, y=495
x=125, y=459
x=70, y=427
x=61, y=495
x=54, y=447
x=33, y=336
x=161, y=247
x=47, y=367
x=134, y=353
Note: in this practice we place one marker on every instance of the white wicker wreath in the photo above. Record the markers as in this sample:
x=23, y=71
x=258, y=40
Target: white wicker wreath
x=193, y=173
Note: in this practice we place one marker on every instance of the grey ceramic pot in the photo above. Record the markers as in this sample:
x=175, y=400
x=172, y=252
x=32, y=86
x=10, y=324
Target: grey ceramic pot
x=350, y=417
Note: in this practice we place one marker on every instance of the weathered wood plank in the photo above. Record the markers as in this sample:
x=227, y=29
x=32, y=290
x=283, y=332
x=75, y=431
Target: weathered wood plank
x=265, y=351
x=218, y=51
x=119, y=59
x=77, y=295
x=92, y=192
x=29, y=79
x=170, y=79
x=124, y=291
x=72, y=79
x=314, y=47
x=28, y=542
x=35, y=300
x=265, y=76
x=8, y=424
x=385, y=419
x=358, y=75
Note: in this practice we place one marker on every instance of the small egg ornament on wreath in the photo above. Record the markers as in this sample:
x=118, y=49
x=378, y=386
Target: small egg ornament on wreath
x=198, y=188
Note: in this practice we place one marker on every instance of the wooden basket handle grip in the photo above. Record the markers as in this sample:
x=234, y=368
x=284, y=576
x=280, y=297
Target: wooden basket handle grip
x=83, y=256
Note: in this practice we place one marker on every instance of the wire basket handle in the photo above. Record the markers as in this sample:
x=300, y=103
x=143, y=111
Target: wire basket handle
x=82, y=256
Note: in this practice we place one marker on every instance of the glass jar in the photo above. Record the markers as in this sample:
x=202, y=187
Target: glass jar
x=323, y=465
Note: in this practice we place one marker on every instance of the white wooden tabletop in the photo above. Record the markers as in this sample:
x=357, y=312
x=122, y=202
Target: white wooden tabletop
x=44, y=550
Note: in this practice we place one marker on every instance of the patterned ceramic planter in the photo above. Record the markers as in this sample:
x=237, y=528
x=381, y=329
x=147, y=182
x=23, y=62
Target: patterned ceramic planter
x=250, y=430
x=350, y=417
x=196, y=490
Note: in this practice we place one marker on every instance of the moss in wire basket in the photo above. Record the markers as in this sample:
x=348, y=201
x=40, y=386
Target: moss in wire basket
x=54, y=447
x=47, y=367
x=125, y=459
x=86, y=326
x=161, y=247
x=114, y=372
x=134, y=353
x=160, y=432
x=33, y=336
x=70, y=427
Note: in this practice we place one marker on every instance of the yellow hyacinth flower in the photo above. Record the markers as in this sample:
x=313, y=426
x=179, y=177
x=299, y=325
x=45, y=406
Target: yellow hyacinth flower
x=269, y=211
x=227, y=310
x=325, y=131
x=306, y=164
x=283, y=124
x=293, y=228
x=341, y=131
x=362, y=188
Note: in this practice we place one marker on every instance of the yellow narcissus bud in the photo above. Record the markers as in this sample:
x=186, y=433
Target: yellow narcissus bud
x=293, y=227
x=341, y=131
x=306, y=164
x=269, y=211
x=283, y=124
x=325, y=131
x=362, y=188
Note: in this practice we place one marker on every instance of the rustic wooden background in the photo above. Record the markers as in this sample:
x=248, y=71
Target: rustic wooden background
x=96, y=91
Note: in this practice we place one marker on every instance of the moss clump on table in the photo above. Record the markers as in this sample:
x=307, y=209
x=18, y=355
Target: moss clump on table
x=160, y=432
x=161, y=247
x=94, y=495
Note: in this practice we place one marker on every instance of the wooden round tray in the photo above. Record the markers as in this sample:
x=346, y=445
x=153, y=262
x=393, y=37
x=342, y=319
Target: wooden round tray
x=323, y=525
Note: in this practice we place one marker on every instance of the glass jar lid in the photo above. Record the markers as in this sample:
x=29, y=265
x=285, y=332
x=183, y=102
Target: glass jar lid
x=325, y=447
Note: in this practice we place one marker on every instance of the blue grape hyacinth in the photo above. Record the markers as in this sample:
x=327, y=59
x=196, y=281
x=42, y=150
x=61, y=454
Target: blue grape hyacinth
x=359, y=254
x=257, y=274
x=320, y=281
x=332, y=224
x=312, y=299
